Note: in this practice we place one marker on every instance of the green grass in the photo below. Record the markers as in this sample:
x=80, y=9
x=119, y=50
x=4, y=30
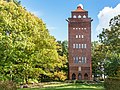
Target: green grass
x=69, y=87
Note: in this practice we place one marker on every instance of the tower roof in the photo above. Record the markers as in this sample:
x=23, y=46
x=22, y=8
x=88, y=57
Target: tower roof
x=79, y=8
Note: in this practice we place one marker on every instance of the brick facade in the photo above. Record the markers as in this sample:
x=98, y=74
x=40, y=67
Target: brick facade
x=79, y=45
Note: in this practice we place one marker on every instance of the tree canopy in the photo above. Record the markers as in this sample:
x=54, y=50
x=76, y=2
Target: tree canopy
x=27, y=50
x=110, y=45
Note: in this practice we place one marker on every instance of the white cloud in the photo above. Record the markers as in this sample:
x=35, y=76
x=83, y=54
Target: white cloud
x=105, y=15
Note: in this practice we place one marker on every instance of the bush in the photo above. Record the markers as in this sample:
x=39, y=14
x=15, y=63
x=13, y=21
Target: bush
x=7, y=85
x=112, y=83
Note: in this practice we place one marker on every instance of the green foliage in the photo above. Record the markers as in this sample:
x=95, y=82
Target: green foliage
x=61, y=71
x=110, y=40
x=27, y=50
x=97, y=59
x=7, y=85
x=112, y=83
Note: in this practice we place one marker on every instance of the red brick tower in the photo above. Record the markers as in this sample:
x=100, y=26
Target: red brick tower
x=79, y=41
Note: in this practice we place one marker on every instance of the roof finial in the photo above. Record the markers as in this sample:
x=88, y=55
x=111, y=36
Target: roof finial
x=80, y=5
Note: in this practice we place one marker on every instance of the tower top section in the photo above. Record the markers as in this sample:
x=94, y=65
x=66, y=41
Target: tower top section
x=79, y=8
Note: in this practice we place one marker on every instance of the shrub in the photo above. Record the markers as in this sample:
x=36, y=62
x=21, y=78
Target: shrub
x=112, y=83
x=7, y=85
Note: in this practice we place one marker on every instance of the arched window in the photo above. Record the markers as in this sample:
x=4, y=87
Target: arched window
x=79, y=76
x=74, y=16
x=84, y=16
x=79, y=16
x=73, y=76
x=86, y=76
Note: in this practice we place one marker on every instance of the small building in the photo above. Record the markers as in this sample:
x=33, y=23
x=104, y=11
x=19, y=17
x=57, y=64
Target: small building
x=79, y=45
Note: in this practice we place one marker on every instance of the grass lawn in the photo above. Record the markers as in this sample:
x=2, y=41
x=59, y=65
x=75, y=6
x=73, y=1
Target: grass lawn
x=67, y=86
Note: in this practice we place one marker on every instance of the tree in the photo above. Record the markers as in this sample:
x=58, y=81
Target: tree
x=61, y=71
x=110, y=38
x=27, y=50
x=97, y=60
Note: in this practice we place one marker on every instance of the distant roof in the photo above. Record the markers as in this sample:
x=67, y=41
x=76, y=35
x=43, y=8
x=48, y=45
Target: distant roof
x=79, y=8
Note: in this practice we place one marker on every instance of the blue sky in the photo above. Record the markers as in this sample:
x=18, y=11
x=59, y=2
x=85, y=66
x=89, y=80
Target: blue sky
x=54, y=13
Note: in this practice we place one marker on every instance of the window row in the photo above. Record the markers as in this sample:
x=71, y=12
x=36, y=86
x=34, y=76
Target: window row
x=79, y=36
x=79, y=16
x=80, y=59
x=79, y=46
x=79, y=28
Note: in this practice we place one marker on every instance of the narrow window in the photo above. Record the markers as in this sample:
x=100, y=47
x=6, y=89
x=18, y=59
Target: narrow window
x=76, y=45
x=79, y=59
x=73, y=45
x=79, y=36
x=84, y=45
x=82, y=60
x=76, y=36
x=82, y=36
x=73, y=28
x=85, y=60
x=76, y=60
x=79, y=46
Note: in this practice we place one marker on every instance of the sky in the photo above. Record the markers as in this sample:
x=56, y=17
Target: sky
x=55, y=12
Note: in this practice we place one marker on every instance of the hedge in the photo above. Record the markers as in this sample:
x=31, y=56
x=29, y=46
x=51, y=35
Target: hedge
x=7, y=85
x=112, y=83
